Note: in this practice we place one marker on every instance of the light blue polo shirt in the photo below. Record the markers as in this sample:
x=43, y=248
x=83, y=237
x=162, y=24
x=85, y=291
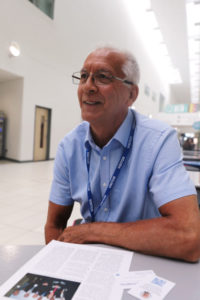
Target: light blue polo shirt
x=152, y=175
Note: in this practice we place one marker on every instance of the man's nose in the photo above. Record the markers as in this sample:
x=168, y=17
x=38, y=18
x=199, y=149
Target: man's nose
x=90, y=84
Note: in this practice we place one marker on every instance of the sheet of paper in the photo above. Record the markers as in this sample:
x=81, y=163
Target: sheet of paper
x=130, y=279
x=155, y=289
x=69, y=271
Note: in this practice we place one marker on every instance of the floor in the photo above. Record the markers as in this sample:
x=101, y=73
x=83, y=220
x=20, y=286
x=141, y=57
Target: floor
x=24, y=194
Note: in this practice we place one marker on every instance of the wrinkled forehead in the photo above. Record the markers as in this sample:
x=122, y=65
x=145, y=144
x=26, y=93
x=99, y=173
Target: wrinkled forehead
x=105, y=59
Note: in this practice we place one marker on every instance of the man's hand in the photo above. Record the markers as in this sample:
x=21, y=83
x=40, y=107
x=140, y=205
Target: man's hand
x=78, y=234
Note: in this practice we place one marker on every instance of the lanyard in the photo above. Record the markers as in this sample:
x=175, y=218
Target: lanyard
x=114, y=176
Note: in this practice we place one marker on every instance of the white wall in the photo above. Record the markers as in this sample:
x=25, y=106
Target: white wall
x=53, y=49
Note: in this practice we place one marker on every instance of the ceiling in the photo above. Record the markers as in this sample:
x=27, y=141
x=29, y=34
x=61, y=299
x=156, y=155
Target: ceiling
x=171, y=16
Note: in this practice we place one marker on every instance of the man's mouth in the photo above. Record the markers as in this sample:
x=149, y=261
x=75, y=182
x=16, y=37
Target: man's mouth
x=92, y=102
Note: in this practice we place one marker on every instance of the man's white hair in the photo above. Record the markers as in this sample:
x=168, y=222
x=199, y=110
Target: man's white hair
x=130, y=68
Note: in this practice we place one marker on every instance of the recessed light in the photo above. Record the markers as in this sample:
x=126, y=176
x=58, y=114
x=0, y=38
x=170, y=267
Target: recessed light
x=14, y=49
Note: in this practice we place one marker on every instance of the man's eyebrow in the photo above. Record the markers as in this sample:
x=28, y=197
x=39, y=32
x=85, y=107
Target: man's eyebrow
x=98, y=70
x=104, y=70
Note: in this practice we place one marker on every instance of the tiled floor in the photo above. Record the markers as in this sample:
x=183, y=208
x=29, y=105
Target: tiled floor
x=24, y=193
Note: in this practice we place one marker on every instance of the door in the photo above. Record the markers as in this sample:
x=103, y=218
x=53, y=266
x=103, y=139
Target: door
x=41, y=133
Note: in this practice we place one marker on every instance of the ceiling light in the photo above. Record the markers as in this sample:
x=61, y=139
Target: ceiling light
x=151, y=19
x=14, y=49
x=147, y=4
x=158, y=35
x=163, y=49
x=193, y=29
x=145, y=21
x=174, y=76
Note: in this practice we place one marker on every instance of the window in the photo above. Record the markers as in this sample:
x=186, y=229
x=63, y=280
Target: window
x=47, y=6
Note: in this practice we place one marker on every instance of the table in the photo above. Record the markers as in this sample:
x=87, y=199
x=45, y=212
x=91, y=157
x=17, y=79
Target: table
x=192, y=163
x=185, y=275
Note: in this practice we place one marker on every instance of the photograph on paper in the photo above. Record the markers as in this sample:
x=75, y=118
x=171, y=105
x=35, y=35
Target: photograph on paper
x=42, y=287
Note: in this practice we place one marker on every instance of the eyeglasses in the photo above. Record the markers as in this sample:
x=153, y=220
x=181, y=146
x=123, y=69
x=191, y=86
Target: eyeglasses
x=99, y=78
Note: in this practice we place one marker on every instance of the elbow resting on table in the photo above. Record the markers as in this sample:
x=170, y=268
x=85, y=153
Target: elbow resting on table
x=191, y=251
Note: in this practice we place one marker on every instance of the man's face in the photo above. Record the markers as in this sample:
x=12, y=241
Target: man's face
x=106, y=103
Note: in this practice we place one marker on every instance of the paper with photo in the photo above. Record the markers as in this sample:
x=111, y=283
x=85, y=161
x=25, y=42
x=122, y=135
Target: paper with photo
x=129, y=279
x=155, y=289
x=88, y=271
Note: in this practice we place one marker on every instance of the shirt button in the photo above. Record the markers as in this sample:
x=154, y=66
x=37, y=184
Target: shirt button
x=105, y=209
x=104, y=157
x=104, y=184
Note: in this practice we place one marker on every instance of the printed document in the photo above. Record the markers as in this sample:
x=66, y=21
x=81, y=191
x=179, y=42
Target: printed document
x=144, y=284
x=129, y=279
x=68, y=271
x=155, y=288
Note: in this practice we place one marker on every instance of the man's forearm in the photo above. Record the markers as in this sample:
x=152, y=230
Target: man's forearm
x=52, y=233
x=175, y=234
x=154, y=237
x=57, y=218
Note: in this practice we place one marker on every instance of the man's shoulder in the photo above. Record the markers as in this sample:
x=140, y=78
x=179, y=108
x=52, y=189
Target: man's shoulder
x=79, y=133
x=145, y=123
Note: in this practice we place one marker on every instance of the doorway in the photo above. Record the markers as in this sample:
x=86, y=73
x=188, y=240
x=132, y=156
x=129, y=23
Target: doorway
x=42, y=133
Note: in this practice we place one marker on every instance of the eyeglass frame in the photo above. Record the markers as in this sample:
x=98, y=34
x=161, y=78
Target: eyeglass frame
x=111, y=77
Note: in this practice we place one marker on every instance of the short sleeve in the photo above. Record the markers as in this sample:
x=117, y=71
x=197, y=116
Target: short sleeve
x=169, y=179
x=60, y=188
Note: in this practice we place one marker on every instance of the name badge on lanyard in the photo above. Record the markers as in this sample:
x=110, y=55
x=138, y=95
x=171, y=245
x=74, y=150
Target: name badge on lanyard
x=114, y=176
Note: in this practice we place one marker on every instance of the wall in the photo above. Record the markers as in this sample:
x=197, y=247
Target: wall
x=53, y=49
x=11, y=93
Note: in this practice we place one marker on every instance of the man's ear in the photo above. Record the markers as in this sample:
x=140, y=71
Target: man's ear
x=134, y=91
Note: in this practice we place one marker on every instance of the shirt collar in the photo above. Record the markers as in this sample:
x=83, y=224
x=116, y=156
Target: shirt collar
x=121, y=135
x=89, y=142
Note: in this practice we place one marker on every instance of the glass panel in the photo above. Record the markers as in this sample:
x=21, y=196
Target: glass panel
x=47, y=6
x=42, y=132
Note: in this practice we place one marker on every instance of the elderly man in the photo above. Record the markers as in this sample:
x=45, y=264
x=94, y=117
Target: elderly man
x=123, y=168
